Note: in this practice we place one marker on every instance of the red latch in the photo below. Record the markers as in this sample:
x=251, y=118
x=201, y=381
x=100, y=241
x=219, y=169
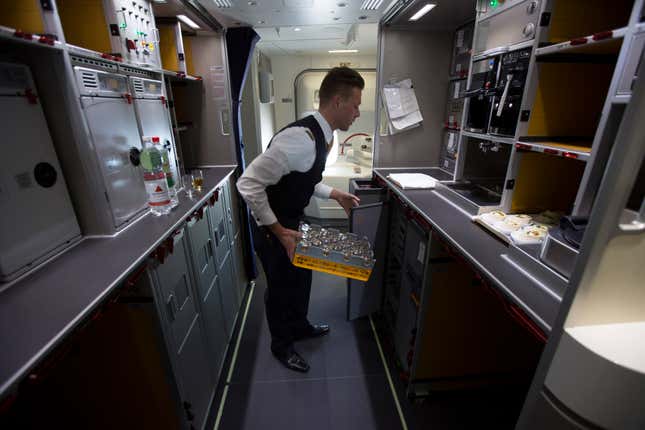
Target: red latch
x=134, y=278
x=551, y=151
x=578, y=41
x=570, y=155
x=128, y=97
x=603, y=35
x=163, y=100
x=46, y=39
x=523, y=146
x=160, y=254
x=19, y=33
x=199, y=213
x=129, y=43
x=170, y=245
x=199, y=78
x=107, y=56
x=31, y=97
x=181, y=75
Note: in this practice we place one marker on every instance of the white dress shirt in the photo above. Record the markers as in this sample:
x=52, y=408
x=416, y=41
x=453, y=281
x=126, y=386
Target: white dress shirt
x=293, y=149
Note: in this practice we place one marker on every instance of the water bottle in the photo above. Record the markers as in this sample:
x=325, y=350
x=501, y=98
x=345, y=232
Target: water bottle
x=170, y=177
x=154, y=179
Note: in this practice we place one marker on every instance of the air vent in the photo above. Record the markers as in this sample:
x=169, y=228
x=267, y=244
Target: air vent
x=138, y=86
x=223, y=4
x=90, y=80
x=371, y=4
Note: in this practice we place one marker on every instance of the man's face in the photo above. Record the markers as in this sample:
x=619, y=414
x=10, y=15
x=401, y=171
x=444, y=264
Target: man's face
x=348, y=110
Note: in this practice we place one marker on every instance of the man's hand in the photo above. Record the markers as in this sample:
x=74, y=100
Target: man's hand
x=288, y=238
x=346, y=200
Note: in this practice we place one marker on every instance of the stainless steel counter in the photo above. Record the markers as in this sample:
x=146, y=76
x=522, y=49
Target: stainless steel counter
x=516, y=272
x=38, y=311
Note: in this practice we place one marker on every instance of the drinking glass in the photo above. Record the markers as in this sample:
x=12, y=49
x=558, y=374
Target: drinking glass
x=188, y=187
x=197, y=180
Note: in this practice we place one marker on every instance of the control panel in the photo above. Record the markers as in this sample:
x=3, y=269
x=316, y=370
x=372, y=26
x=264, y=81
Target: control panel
x=133, y=31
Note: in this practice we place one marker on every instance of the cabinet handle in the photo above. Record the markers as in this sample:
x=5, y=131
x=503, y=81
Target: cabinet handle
x=210, y=248
x=170, y=305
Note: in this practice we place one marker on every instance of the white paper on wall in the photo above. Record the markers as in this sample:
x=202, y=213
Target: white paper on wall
x=401, y=104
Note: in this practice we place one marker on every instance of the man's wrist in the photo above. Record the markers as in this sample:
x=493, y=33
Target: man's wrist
x=334, y=194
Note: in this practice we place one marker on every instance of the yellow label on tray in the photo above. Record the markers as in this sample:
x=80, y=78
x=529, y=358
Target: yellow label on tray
x=331, y=267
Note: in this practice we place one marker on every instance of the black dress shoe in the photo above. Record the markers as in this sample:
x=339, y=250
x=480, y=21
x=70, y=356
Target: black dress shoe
x=293, y=361
x=315, y=330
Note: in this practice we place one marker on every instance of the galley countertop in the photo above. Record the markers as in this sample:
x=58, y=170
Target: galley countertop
x=40, y=309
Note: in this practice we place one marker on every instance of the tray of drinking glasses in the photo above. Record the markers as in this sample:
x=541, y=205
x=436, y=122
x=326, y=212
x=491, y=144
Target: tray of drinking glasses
x=331, y=251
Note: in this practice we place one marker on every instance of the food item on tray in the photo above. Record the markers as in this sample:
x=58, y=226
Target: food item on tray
x=519, y=219
x=529, y=234
x=493, y=217
x=507, y=226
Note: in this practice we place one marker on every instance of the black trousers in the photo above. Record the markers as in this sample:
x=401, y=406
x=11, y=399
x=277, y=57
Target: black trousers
x=287, y=295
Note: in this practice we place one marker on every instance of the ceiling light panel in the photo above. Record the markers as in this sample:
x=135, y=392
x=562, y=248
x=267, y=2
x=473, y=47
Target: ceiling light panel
x=371, y=4
x=192, y=24
x=223, y=4
x=298, y=4
x=343, y=51
x=421, y=12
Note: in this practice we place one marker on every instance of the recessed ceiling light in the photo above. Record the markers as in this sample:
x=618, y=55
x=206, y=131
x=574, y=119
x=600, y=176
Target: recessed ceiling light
x=252, y=3
x=297, y=29
x=425, y=9
x=188, y=21
x=341, y=4
x=343, y=51
x=336, y=18
x=262, y=21
x=362, y=17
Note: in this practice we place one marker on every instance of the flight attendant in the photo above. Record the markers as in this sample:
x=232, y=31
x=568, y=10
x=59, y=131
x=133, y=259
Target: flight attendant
x=277, y=186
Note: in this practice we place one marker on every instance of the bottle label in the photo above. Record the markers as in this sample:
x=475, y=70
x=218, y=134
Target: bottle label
x=157, y=189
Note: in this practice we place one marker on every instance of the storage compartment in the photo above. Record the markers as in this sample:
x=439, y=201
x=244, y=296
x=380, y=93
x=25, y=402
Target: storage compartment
x=518, y=23
x=461, y=50
x=572, y=19
x=113, y=370
x=484, y=172
x=467, y=334
x=22, y=15
x=480, y=94
x=122, y=28
x=175, y=49
x=509, y=92
x=367, y=190
x=568, y=104
x=455, y=105
x=545, y=182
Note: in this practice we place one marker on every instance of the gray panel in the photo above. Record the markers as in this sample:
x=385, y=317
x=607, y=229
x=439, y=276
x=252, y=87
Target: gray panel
x=364, y=298
x=425, y=58
x=210, y=308
x=154, y=120
x=220, y=228
x=25, y=234
x=228, y=293
x=175, y=289
x=193, y=366
x=203, y=258
x=412, y=272
x=113, y=140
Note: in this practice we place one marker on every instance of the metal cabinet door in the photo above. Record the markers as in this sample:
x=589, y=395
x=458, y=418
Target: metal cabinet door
x=201, y=246
x=210, y=309
x=180, y=321
x=154, y=120
x=237, y=256
x=30, y=180
x=228, y=292
x=220, y=230
x=114, y=132
x=197, y=386
x=414, y=258
x=364, y=298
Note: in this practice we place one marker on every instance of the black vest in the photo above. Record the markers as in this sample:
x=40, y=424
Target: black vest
x=290, y=196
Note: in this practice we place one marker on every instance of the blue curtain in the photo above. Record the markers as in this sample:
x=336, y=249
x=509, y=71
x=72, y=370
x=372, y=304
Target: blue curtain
x=240, y=43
